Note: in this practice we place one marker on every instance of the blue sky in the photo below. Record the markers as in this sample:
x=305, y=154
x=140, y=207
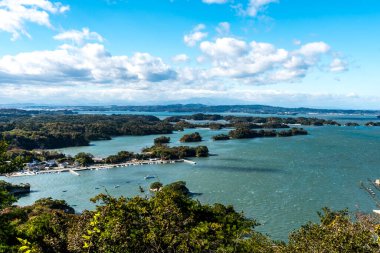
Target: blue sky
x=278, y=52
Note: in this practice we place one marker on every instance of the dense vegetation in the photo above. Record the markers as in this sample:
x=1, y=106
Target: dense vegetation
x=169, y=221
x=48, y=130
x=14, y=189
x=221, y=137
x=267, y=122
x=373, y=124
x=15, y=160
x=244, y=133
x=57, y=131
x=7, y=163
x=169, y=153
x=193, y=137
x=351, y=124
x=162, y=140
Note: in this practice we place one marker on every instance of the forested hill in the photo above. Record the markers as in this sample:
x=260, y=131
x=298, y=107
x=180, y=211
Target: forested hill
x=57, y=131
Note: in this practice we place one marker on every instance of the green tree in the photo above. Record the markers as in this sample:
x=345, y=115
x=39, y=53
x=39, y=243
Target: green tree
x=7, y=163
x=335, y=233
x=201, y=151
x=84, y=159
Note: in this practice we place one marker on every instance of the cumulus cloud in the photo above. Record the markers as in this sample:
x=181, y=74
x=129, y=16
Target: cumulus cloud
x=260, y=63
x=15, y=14
x=196, y=35
x=225, y=58
x=79, y=37
x=80, y=64
x=338, y=65
x=228, y=66
x=181, y=58
x=314, y=49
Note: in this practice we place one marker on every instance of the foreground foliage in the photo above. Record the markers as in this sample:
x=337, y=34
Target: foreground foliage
x=168, y=221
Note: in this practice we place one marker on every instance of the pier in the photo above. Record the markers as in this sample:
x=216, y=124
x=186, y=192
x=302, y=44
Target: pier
x=189, y=161
x=74, y=173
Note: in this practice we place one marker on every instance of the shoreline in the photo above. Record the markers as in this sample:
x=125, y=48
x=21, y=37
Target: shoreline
x=74, y=170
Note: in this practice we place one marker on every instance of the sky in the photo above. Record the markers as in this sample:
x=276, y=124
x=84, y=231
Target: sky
x=293, y=53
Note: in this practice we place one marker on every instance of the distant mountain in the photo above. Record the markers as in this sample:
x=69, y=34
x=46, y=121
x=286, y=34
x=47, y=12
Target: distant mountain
x=190, y=108
x=200, y=108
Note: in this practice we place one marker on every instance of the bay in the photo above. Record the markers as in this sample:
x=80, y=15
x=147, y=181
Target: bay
x=281, y=182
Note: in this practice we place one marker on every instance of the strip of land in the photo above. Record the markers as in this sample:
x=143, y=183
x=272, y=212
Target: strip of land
x=97, y=167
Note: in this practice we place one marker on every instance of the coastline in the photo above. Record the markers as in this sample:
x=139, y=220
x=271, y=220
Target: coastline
x=74, y=170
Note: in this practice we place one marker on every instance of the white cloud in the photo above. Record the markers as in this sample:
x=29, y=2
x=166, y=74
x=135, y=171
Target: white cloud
x=255, y=6
x=228, y=59
x=338, y=65
x=16, y=13
x=79, y=37
x=224, y=49
x=181, y=58
x=215, y=1
x=311, y=52
x=75, y=65
x=195, y=35
x=223, y=28
x=260, y=63
x=314, y=48
x=228, y=66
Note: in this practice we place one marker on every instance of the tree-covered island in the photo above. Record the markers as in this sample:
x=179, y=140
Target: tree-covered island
x=47, y=130
x=193, y=137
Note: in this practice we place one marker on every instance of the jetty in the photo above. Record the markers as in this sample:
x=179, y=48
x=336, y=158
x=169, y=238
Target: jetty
x=74, y=172
x=189, y=161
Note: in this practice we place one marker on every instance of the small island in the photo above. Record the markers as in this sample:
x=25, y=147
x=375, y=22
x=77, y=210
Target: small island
x=246, y=133
x=351, y=124
x=194, y=137
x=372, y=124
x=162, y=140
x=221, y=137
x=164, y=152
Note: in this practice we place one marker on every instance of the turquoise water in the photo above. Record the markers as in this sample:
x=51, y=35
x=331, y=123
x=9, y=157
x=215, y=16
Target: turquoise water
x=282, y=182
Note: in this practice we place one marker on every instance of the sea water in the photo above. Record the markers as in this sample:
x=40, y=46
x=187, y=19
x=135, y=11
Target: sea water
x=280, y=182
